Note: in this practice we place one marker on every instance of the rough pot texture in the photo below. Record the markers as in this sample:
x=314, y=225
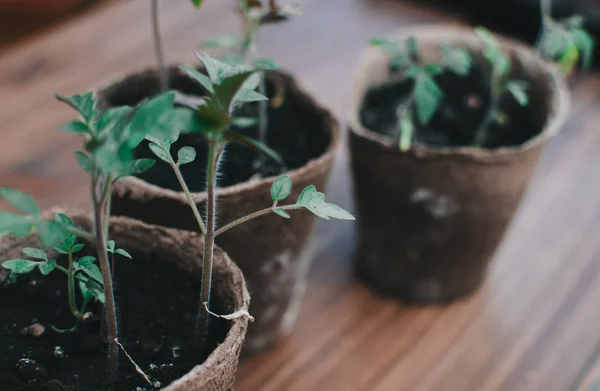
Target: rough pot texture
x=184, y=249
x=430, y=219
x=273, y=252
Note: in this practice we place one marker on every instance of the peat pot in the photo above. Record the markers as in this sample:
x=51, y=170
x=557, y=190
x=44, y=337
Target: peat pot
x=157, y=297
x=273, y=252
x=431, y=218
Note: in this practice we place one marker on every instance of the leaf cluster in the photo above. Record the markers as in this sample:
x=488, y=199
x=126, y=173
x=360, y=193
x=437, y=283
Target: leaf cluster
x=567, y=42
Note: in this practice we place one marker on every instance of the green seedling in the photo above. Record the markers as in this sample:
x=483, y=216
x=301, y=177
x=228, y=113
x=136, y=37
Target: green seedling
x=244, y=49
x=228, y=87
x=566, y=42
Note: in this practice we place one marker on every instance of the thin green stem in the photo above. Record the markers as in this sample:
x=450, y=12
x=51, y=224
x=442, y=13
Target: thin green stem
x=189, y=196
x=71, y=288
x=215, y=150
x=79, y=233
x=263, y=115
x=62, y=269
x=546, y=18
x=158, y=50
x=109, y=306
x=254, y=215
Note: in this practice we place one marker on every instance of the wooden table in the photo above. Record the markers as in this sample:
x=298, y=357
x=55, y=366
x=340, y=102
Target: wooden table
x=533, y=327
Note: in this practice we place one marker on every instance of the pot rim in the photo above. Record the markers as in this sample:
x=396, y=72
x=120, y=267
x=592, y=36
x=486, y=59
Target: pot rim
x=373, y=57
x=241, y=300
x=312, y=167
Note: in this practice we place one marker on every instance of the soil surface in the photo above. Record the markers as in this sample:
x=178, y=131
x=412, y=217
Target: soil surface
x=462, y=110
x=294, y=131
x=157, y=307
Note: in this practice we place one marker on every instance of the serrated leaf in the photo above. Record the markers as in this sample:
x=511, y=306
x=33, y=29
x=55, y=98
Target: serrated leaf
x=65, y=220
x=131, y=168
x=242, y=139
x=309, y=194
x=458, y=60
x=224, y=42
x=244, y=122
x=85, y=162
x=76, y=127
x=585, y=43
x=20, y=266
x=427, y=96
x=518, y=89
x=123, y=253
x=49, y=233
x=253, y=81
x=227, y=92
x=47, y=267
x=281, y=188
x=199, y=77
x=85, y=104
x=35, y=253
x=281, y=213
x=78, y=247
x=160, y=152
x=114, y=117
x=186, y=155
x=211, y=118
x=21, y=201
x=154, y=117
x=88, y=266
x=244, y=96
x=110, y=246
x=14, y=224
x=216, y=69
x=266, y=64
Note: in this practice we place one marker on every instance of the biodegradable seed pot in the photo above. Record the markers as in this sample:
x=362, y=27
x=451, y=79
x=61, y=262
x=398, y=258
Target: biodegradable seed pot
x=157, y=318
x=431, y=214
x=273, y=252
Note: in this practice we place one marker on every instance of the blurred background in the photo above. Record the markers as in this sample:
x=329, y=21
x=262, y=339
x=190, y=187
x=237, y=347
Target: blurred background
x=533, y=326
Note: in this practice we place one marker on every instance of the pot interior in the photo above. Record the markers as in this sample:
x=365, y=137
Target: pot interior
x=297, y=129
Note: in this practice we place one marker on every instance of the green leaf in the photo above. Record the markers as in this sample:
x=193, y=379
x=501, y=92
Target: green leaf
x=458, y=60
x=314, y=201
x=160, y=152
x=239, y=138
x=90, y=289
x=123, y=253
x=76, y=127
x=154, y=117
x=115, y=117
x=224, y=42
x=217, y=70
x=309, y=194
x=244, y=96
x=281, y=213
x=197, y=3
x=228, y=91
x=555, y=42
x=266, y=64
x=585, y=43
x=85, y=104
x=427, y=96
x=491, y=47
x=14, y=224
x=281, y=188
x=88, y=266
x=50, y=233
x=518, y=89
x=199, y=77
x=406, y=132
x=574, y=21
x=85, y=162
x=35, y=253
x=21, y=201
x=244, y=122
x=132, y=168
x=253, y=81
x=64, y=220
x=47, y=267
x=20, y=266
x=186, y=155
x=110, y=246
x=78, y=247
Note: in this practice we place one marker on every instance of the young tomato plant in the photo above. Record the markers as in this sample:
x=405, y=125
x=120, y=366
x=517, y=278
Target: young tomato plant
x=228, y=86
x=106, y=156
x=255, y=14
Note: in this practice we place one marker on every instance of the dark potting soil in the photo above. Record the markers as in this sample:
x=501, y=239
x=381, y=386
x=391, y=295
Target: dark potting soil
x=157, y=307
x=295, y=131
x=462, y=109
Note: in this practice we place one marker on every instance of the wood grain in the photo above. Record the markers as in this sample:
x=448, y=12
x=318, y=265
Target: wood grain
x=534, y=325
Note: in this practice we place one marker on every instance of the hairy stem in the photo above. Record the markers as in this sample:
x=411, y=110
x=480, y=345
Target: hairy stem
x=158, y=51
x=215, y=150
x=189, y=196
x=109, y=307
x=254, y=215
x=71, y=288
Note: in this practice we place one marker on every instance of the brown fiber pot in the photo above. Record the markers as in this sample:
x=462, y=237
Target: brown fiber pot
x=431, y=219
x=273, y=253
x=184, y=249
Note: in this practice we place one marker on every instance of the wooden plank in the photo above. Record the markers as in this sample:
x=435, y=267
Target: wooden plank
x=532, y=327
